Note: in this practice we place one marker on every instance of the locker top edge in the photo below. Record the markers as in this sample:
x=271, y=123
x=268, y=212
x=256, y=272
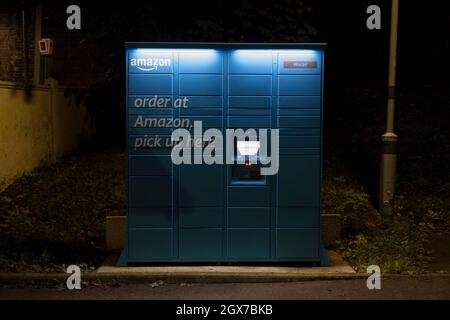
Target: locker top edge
x=224, y=45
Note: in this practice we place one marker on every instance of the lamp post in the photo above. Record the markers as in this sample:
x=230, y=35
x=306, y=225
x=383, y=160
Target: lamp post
x=389, y=138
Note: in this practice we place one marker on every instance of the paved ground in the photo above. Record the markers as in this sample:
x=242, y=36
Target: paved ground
x=400, y=287
x=232, y=273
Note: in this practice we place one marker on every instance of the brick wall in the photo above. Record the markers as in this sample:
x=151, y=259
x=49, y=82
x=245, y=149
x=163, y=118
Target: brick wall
x=72, y=63
x=11, y=44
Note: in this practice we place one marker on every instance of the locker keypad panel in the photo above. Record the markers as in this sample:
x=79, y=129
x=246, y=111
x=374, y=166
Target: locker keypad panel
x=247, y=173
x=223, y=212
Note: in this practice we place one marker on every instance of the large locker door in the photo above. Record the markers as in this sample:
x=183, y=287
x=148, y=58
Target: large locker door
x=200, y=189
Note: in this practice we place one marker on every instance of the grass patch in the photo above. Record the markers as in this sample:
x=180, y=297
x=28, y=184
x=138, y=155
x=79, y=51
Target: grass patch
x=396, y=244
x=55, y=216
x=397, y=247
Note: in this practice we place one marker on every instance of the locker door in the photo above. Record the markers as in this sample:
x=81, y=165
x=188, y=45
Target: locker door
x=250, y=84
x=200, y=189
x=150, y=171
x=298, y=207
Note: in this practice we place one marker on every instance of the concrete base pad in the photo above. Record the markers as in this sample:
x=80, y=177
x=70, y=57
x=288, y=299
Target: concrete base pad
x=339, y=269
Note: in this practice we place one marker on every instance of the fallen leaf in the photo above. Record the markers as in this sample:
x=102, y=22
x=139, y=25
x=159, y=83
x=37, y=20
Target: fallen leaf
x=157, y=284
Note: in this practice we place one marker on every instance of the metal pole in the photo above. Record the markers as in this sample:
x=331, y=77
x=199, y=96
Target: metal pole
x=389, y=139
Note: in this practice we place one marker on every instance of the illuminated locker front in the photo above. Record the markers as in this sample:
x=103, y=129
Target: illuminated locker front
x=196, y=193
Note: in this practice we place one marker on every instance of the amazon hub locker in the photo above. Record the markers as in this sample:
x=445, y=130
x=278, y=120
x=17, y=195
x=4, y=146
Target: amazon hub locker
x=224, y=145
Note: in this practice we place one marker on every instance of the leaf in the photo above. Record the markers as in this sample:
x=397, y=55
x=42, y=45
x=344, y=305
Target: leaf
x=157, y=284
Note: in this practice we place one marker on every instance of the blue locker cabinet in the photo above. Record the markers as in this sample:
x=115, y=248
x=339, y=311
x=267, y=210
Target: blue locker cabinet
x=224, y=212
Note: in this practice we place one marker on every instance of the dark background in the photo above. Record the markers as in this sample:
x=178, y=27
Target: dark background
x=91, y=60
x=56, y=215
